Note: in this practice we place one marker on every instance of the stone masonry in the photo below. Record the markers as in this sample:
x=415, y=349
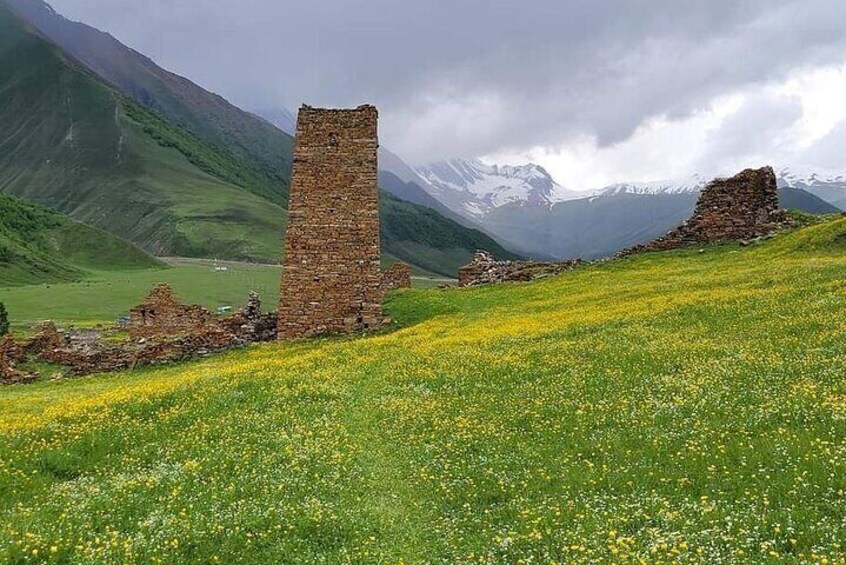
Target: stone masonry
x=331, y=278
x=161, y=314
x=484, y=269
x=165, y=331
x=742, y=207
x=10, y=354
x=397, y=276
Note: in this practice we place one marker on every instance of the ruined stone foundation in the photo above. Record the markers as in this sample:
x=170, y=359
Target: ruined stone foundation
x=485, y=269
x=331, y=280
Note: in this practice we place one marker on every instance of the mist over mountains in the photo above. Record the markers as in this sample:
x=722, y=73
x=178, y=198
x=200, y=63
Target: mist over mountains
x=97, y=131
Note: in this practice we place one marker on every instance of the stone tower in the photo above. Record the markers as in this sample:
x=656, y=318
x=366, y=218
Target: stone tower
x=331, y=278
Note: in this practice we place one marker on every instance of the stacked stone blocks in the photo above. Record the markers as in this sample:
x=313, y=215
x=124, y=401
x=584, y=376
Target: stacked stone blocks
x=331, y=281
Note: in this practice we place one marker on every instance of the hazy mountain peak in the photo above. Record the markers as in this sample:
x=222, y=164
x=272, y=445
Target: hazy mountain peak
x=475, y=187
x=804, y=176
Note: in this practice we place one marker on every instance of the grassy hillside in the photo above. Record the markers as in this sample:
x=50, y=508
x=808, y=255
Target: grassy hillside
x=38, y=245
x=680, y=407
x=436, y=243
x=265, y=150
x=70, y=142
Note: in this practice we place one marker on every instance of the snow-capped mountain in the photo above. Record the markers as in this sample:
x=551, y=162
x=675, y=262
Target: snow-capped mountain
x=803, y=176
x=830, y=186
x=537, y=216
x=474, y=188
x=694, y=183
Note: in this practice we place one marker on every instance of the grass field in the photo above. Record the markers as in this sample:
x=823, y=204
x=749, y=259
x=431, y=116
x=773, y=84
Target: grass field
x=669, y=408
x=104, y=296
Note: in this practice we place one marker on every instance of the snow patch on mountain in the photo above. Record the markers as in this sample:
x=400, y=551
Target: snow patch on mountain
x=694, y=183
x=803, y=176
x=474, y=187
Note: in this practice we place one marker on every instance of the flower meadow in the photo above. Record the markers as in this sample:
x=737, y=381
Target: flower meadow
x=684, y=407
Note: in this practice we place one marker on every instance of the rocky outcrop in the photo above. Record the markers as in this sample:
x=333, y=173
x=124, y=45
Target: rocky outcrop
x=485, y=269
x=739, y=208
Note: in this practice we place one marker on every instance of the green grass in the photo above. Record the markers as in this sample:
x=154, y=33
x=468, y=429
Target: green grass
x=72, y=143
x=106, y=295
x=39, y=245
x=102, y=296
x=682, y=407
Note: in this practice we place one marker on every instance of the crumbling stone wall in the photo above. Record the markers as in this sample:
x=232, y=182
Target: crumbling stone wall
x=46, y=339
x=331, y=281
x=484, y=269
x=397, y=276
x=161, y=314
x=742, y=207
x=82, y=351
x=10, y=354
x=251, y=324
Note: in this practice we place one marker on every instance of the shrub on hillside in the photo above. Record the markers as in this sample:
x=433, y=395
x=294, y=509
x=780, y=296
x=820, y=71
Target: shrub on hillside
x=4, y=320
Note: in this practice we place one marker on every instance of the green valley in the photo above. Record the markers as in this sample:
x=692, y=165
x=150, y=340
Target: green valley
x=72, y=143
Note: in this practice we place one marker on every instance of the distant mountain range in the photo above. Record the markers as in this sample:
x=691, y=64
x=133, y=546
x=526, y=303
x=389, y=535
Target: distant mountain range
x=96, y=130
x=477, y=189
x=527, y=208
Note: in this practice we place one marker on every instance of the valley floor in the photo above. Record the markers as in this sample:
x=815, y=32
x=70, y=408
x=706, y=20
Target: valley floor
x=104, y=296
x=682, y=407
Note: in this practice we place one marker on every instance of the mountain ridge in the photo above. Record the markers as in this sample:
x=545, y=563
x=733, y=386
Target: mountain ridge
x=251, y=139
x=587, y=224
x=72, y=142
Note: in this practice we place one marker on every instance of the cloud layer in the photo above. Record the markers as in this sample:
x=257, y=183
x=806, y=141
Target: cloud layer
x=475, y=77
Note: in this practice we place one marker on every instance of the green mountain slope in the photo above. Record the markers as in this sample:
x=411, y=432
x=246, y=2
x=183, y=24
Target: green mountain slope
x=38, y=245
x=802, y=200
x=264, y=149
x=681, y=407
x=70, y=142
x=437, y=244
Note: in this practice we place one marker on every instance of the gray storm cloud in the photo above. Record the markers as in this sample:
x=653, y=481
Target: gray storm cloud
x=469, y=77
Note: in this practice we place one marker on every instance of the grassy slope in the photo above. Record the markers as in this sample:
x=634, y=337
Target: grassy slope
x=436, y=243
x=38, y=245
x=680, y=407
x=262, y=148
x=71, y=143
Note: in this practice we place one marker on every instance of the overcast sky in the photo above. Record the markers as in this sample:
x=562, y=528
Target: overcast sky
x=597, y=91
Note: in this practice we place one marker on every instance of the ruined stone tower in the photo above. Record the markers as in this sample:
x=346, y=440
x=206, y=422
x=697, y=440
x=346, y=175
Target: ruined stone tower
x=331, y=278
x=742, y=207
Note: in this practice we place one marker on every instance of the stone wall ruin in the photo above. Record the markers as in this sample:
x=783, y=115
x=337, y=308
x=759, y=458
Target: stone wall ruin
x=397, y=276
x=162, y=331
x=331, y=280
x=740, y=208
x=161, y=314
x=484, y=269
